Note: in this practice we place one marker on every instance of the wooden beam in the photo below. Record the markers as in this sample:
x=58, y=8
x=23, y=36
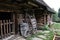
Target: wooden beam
x=2, y=10
x=11, y=6
x=32, y=4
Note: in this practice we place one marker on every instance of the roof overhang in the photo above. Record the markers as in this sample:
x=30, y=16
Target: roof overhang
x=41, y=2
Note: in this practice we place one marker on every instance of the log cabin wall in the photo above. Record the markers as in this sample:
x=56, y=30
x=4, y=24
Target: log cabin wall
x=43, y=19
x=40, y=20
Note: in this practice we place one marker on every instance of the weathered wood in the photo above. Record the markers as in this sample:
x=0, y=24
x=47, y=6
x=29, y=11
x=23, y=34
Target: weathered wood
x=14, y=23
x=44, y=19
x=1, y=28
x=32, y=4
x=7, y=25
x=9, y=28
x=54, y=37
x=4, y=27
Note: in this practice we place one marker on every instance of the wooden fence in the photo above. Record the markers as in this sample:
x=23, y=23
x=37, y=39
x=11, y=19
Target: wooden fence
x=7, y=27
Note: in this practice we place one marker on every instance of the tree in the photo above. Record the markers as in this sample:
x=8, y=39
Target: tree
x=59, y=13
x=55, y=17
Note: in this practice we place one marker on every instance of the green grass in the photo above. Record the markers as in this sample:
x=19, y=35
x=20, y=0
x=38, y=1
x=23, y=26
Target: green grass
x=50, y=36
x=56, y=26
x=29, y=38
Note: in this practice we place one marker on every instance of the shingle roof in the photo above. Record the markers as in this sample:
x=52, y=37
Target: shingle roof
x=43, y=3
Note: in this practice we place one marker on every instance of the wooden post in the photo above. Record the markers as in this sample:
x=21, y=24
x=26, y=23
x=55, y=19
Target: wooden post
x=14, y=23
x=46, y=19
x=46, y=15
x=9, y=28
x=7, y=25
x=4, y=27
x=19, y=22
x=1, y=28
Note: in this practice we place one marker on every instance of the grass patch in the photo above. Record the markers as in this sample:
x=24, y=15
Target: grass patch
x=40, y=33
x=29, y=38
x=34, y=35
x=56, y=26
x=50, y=36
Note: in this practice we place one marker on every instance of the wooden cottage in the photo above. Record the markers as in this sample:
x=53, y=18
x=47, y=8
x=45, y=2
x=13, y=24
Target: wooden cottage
x=13, y=12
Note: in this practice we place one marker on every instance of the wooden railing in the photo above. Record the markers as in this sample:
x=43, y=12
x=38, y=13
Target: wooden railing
x=7, y=27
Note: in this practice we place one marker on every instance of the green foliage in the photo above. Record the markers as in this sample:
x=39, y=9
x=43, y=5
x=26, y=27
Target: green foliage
x=50, y=36
x=56, y=27
x=59, y=13
x=45, y=27
x=40, y=33
x=29, y=38
x=55, y=17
